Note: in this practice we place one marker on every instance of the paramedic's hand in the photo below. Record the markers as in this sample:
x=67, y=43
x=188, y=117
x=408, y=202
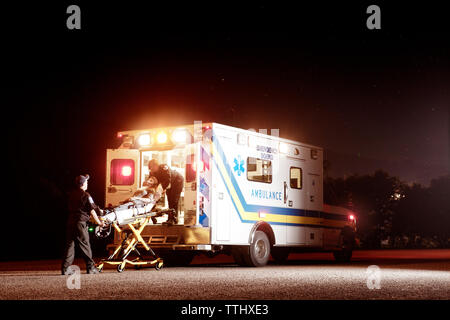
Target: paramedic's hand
x=102, y=223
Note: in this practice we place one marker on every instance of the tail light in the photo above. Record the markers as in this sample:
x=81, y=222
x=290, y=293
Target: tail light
x=126, y=171
x=122, y=172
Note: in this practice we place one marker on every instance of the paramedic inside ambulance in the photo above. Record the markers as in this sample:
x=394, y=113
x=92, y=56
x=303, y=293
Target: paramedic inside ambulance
x=172, y=183
x=148, y=189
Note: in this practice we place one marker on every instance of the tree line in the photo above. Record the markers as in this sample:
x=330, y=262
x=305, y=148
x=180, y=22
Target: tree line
x=392, y=213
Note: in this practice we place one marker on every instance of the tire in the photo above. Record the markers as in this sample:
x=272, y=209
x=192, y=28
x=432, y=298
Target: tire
x=258, y=253
x=280, y=255
x=346, y=241
x=159, y=265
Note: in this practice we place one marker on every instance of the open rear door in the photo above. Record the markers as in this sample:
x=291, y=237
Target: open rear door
x=197, y=186
x=191, y=185
x=122, y=175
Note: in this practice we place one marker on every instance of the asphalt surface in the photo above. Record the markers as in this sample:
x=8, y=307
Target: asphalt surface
x=403, y=274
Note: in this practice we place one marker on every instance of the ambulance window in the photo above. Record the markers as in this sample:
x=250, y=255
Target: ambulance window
x=190, y=168
x=259, y=170
x=122, y=172
x=295, y=178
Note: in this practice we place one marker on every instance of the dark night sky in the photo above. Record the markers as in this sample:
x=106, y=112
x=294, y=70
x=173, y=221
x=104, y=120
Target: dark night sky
x=372, y=99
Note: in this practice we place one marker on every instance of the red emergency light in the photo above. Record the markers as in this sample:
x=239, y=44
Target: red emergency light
x=122, y=172
x=126, y=171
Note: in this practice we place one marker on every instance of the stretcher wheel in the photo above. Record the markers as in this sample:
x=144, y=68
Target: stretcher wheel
x=159, y=265
x=120, y=268
x=100, y=268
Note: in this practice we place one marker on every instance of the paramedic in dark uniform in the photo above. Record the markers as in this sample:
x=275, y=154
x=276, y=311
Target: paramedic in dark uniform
x=172, y=183
x=81, y=208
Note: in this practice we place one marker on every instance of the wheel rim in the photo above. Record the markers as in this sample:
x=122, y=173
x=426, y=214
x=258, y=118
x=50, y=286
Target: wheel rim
x=260, y=249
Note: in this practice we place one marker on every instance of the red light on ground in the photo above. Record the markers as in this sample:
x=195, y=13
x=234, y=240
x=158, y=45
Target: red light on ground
x=126, y=171
x=351, y=217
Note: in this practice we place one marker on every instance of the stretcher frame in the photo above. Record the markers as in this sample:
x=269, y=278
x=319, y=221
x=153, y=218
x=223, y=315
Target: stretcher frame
x=128, y=245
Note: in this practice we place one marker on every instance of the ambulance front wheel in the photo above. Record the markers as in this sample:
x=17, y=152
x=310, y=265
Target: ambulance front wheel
x=258, y=253
x=347, y=241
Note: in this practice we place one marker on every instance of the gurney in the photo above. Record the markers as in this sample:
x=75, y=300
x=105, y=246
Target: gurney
x=129, y=220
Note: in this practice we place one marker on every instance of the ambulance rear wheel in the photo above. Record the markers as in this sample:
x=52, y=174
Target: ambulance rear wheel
x=258, y=253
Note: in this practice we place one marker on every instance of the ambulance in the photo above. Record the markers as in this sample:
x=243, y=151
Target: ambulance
x=246, y=194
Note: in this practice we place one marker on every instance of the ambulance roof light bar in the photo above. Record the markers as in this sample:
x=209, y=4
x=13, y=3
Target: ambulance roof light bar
x=179, y=136
x=144, y=139
x=161, y=137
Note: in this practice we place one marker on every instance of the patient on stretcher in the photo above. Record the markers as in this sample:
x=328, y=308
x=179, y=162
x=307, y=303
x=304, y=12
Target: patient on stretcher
x=143, y=201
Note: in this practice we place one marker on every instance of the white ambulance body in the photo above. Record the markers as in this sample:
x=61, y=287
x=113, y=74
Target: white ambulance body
x=246, y=193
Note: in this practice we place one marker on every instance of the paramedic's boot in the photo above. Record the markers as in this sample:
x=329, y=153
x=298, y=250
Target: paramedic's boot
x=67, y=271
x=172, y=219
x=92, y=270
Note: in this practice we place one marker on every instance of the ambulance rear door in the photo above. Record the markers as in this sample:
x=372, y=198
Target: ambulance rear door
x=122, y=175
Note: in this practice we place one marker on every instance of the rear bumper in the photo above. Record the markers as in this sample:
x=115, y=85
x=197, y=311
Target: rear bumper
x=176, y=237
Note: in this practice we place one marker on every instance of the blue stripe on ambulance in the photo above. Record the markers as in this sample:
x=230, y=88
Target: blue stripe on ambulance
x=268, y=209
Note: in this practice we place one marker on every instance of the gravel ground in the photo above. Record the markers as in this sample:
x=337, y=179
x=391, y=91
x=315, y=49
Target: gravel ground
x=405, y=274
